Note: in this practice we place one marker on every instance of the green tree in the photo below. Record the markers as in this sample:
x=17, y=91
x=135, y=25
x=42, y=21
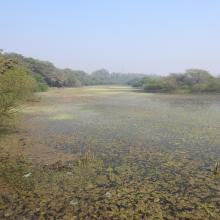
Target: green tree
x=16, y=86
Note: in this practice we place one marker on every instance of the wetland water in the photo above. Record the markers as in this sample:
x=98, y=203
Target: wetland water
x=137, y=155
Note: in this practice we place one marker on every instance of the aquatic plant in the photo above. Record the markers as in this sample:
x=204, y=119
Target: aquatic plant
x=130, y=155
x=216, y=168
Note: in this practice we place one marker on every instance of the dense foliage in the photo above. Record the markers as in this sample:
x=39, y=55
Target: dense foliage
x=193, y=81
x=16, y=85
x=103, y=77
x=47, y=74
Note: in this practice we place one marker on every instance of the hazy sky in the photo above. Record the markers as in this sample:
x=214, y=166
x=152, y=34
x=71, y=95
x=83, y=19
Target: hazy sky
x=148, y=36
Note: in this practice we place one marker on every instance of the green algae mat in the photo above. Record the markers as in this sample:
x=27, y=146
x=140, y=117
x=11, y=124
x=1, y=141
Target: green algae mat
x=133, y=155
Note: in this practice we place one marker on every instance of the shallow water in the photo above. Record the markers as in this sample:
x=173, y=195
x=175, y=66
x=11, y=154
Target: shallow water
x=99, y=116
x=157, y=150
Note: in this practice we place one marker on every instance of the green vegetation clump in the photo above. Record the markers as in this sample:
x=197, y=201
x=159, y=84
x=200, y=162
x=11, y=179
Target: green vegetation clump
x=192, y=81
x=16, y=86
x=41, y=84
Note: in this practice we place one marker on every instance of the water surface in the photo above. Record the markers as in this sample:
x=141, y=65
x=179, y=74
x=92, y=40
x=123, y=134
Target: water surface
x=157, y=150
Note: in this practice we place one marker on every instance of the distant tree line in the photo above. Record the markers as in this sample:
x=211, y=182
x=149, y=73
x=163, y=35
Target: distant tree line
x=47, y=74
x=192, y=81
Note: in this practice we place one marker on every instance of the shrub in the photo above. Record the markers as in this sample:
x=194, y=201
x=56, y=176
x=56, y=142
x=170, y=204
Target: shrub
x=160, y=85
x=193, y=81
x=16, y=86
x=41, y=84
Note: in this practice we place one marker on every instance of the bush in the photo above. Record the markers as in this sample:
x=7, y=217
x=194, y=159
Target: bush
x=41, y=84
x=160, y=85
x=193, y=81
x=16, y=86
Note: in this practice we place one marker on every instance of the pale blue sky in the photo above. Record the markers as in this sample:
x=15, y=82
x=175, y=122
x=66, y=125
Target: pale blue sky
x=148, y=36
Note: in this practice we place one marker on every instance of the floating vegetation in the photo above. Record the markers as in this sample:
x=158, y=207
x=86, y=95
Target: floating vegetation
x=134, y=156
x=89, y=159
x=62, y=117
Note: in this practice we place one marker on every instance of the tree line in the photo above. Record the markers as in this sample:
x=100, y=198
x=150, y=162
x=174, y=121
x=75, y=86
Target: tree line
x=192, y=81
x=47, y=74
